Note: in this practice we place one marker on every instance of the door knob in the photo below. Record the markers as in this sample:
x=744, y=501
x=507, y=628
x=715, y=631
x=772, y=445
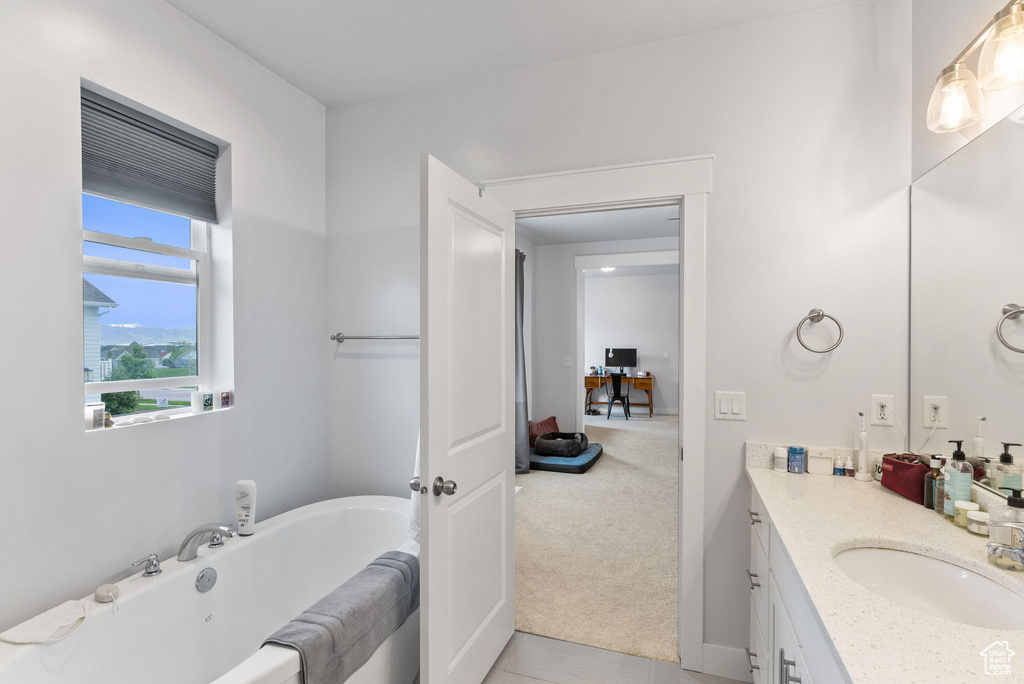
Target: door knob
x=443, y=486
x=414, y=485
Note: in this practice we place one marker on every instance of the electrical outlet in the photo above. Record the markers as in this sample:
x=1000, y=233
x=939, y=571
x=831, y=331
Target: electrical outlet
x=882, y=410
x=935, y=412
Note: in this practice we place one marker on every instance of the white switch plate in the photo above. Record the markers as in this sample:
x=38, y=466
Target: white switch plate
x=882, y=411
x=937, y=418
x=730, y=406
x=567, y=361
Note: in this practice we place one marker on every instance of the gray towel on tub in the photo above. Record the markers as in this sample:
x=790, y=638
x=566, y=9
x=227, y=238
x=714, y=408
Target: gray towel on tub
x=339, y=633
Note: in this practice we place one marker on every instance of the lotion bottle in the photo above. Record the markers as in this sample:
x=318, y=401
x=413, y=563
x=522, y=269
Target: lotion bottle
x=958, y=476
x=245, y=506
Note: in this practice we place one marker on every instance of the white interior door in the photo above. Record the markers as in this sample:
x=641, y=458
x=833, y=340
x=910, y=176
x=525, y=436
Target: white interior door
x=467, y=364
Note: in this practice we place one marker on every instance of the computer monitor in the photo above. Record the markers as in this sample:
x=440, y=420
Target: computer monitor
x=623, y=358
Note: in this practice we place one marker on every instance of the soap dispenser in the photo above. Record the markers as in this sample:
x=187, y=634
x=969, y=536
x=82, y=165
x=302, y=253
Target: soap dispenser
x=958, y=476
x=1004, y=548
x=1006, y=474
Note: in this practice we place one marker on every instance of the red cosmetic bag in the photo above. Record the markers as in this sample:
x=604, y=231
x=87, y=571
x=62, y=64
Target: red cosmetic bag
x=904, y=475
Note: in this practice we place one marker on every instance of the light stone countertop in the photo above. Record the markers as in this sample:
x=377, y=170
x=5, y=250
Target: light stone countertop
x=873, y=638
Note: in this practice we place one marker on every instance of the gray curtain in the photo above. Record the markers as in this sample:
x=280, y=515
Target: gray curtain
x=522, y=420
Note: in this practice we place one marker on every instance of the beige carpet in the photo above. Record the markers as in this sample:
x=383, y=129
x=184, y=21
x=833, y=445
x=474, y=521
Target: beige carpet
x=596, y=553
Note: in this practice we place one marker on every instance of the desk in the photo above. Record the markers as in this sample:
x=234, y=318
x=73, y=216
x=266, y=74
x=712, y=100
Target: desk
x=639, y=382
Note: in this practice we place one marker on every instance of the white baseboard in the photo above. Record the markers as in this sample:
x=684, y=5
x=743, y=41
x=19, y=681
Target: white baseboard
x=725, y=661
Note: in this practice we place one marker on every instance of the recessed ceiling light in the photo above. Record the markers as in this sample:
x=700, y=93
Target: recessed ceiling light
x=608, y=269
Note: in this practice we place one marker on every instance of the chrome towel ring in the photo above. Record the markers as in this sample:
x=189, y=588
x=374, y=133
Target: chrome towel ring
x=817, y=316
x=1010, y=311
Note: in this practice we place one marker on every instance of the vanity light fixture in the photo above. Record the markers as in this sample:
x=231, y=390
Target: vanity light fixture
x=957, y=100
x=608, y=269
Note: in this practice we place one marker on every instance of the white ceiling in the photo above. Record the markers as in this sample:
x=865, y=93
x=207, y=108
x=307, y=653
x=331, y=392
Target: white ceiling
x=341, y=51
x=600, y=226
x=627, y=271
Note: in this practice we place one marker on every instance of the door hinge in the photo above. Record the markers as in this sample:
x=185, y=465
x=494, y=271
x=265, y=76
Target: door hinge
x=680, y=453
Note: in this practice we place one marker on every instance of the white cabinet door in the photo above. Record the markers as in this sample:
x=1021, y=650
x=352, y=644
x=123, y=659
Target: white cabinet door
x=789, y=666
x=467, y=365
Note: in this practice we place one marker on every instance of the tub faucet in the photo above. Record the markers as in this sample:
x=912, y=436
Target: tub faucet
x=190, y=547
x=1008, y=556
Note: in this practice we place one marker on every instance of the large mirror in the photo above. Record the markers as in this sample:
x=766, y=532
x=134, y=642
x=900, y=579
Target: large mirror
x=967, y=267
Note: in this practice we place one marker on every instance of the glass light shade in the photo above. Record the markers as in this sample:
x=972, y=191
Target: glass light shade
x=1001, y=64
x=957, y=101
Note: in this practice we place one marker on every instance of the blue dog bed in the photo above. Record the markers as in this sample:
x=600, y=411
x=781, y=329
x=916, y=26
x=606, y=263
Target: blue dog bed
x=560, y=464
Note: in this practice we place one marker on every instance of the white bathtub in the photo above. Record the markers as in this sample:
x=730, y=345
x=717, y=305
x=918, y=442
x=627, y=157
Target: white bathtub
x=167, y=632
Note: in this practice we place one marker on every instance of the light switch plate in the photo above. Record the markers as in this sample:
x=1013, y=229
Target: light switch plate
x=567, y=361
x=730, y=406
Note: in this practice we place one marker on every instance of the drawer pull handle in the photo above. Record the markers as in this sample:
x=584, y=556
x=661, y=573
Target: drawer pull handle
x=750, y=661
x=750, y=578
x=784, y=665
x=755, y=518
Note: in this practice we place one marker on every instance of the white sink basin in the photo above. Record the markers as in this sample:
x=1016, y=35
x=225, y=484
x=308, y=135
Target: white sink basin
x=933, y=586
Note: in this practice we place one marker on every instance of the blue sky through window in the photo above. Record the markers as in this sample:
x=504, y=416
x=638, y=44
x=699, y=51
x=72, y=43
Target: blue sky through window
x=140, y=302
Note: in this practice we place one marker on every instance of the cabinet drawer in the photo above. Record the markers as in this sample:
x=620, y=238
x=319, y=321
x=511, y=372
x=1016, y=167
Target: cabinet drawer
x=592, y=382
x=643, y=383
x=759, y=521
x=759, y=574
x=758, y=656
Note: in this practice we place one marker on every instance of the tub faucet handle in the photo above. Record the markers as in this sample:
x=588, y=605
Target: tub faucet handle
x=152, y=565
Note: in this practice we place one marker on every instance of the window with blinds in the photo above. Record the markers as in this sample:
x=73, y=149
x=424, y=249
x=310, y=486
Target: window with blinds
x=149, y=195
x=132, y=157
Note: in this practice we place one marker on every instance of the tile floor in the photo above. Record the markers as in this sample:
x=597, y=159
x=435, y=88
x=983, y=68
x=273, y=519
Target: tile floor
x=530, y=659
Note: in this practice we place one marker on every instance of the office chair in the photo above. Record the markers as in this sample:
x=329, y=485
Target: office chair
x=614, y=387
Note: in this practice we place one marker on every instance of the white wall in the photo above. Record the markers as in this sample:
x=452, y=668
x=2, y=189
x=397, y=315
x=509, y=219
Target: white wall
x=78, y=508
x=556, y=387
x=941, y=29
x=642, y=312
x=807, y=119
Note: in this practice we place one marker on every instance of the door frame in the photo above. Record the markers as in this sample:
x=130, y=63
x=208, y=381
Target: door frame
x=617, y=260
x=686, y=181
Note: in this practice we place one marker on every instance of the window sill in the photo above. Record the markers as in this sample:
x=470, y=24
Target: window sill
x=164, y=417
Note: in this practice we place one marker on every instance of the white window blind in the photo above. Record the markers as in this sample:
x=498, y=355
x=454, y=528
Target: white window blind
x=132, y=157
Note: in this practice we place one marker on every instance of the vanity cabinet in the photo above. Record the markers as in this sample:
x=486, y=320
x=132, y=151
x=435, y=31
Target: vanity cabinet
x=787, y=643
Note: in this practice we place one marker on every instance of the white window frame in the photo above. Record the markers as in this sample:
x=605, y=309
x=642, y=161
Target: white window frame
x=198, y=275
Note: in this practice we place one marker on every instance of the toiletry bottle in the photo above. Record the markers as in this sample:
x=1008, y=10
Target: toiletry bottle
x=929, y=481
x=837, y=467
x=958, y=476
x=245, y=505
x=797, y=459
x=780, y=460
x=1013, y=511
x=939, y=499
x=849, y=466
x=1006, y=474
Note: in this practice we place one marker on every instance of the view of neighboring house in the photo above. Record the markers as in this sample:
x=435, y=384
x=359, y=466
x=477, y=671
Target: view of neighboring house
x=92, y=301
x=162, y=355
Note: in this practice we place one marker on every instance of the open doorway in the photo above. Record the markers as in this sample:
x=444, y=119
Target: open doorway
x=596, y=545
